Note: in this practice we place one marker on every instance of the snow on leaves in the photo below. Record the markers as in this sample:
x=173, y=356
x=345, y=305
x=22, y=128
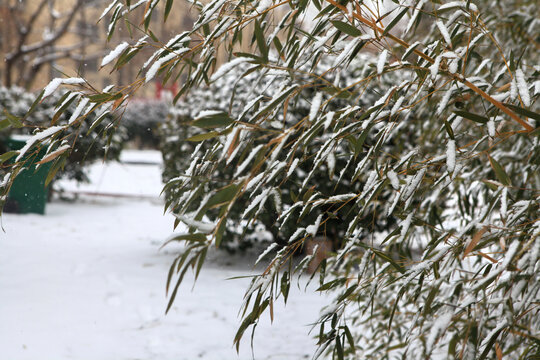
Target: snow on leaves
x=326, y=138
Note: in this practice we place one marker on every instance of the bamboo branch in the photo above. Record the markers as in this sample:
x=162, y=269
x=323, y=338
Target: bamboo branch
x=467, y=83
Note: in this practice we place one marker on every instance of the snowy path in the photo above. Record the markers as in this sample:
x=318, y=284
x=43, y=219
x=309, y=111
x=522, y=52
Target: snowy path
x=86, y=281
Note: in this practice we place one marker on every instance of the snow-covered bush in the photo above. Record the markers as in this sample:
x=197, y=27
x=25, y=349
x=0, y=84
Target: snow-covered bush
x=438, y=136
x=101, y=142
x=142, y=119
x=226, y=96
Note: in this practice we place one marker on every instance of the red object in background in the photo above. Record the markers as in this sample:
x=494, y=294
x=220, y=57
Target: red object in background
x=173, y=89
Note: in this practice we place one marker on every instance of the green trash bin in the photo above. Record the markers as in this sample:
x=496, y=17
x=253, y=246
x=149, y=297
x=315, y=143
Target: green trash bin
x=28, y=194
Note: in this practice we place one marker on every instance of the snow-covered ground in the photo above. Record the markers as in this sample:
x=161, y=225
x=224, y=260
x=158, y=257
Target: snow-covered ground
x=87, y=281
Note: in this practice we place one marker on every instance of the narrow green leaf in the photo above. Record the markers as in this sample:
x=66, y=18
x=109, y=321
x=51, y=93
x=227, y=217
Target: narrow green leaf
x=449, y=130
x=223, y=196
x=395, y=21
x=170, y=274
x=261, y=42
x=474, y=117
x=205, y=136
x=499, y=172
x=4, y=124
x=388, y=259
x=15, y=121
x=168, y=7
x=195, y=237
x=524, y=112
x=221, y=119
x=398, y=297
x=202, y=257
x=339, y=348
x=7, y=155
x=35, y=103
x=346, y=28
x=220, y=231
x=104, y=97
x=489, y=345
x=62, y=109
x=350, y=338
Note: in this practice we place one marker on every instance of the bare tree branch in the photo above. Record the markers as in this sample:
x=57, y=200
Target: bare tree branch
x=19, y=55
x=57, y=34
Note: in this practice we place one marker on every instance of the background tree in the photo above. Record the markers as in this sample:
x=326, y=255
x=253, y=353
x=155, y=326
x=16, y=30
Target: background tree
x=26, y=55
x=445, y=146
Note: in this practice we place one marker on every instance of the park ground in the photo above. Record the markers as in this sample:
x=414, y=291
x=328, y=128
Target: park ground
x=87, y=281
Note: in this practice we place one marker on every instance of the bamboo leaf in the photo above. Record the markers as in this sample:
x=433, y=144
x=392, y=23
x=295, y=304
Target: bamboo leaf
x=168, y=7
x=395, y=21
x=15, y=121
x=261, y=42
x=474, y=241
x=388, y=259
x=4, y=124
x=346, y=28
x=474, y=117
x=223, y=196
x=53, y=155
x=499, y=172
x=524, y=112
x=212, y=121
x=7, y=155
x=202, y=137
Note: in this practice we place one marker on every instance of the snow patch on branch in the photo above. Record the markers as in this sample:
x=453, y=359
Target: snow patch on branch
x=451, y=156
x=78, y=110
x=114, y=54
x=225, y=68
x=382, y=61
x=444, y=32
x=37, y=137
x=55, y=83
x=523, y=88
x=315, y=105
x=203, y=227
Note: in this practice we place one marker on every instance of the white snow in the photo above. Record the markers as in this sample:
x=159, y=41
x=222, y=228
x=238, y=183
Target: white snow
x=405, y=225
x=114, y=54
x=504, y=202
x=263, y=5
x=87, y=281
x=78, y=110
x=523, y=88
x=202, y=226
x=292, y=167
x=208, y=113
x=454, y=4
x=247, y=162
x=410, y=49
x=394, y=181
x=312, y=229
x=444, y=32
x=382, y=61
x=151, y=73
x=55, y=83
x=315, y=105
x=397, y=106
x=225, y=68
x=37, y=137
x=107, y=9
x=451, y=155
x=328, y=119
x=513, y=89
x=444, y=101
x=491, y=128
x=434, y=69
